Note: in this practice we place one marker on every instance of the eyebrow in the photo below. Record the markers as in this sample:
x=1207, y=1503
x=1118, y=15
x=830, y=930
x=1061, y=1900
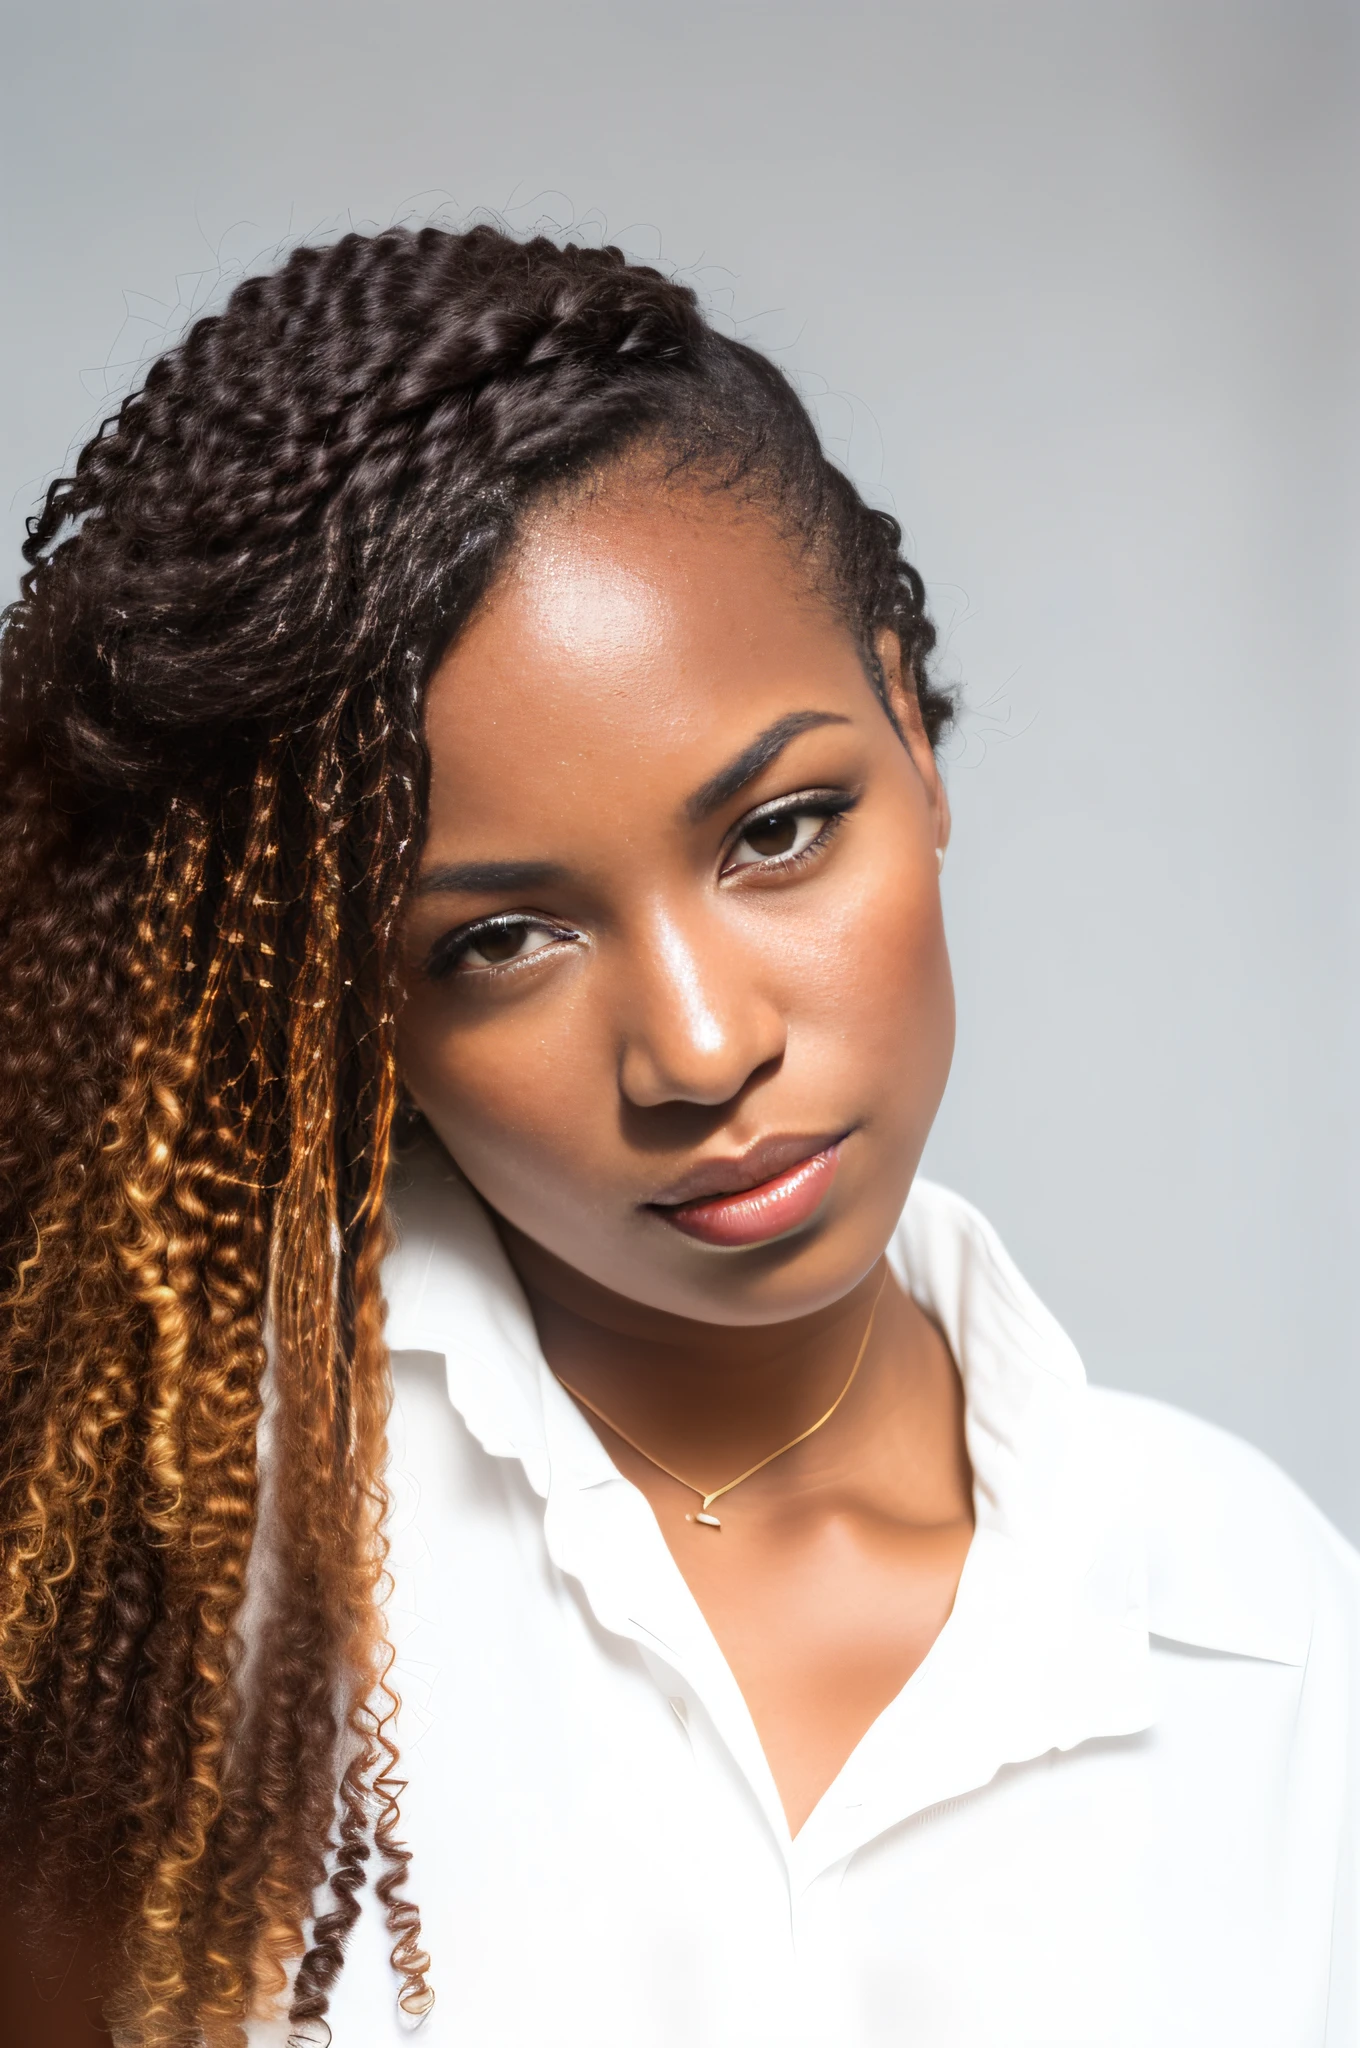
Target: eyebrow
x=766, y=747
x=496, y=877
x=489, y=877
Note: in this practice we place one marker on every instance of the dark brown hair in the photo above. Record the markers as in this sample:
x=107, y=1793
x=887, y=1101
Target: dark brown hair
x=211, y=799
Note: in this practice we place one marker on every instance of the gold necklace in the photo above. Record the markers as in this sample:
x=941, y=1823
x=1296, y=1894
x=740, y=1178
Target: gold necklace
x=704, y=1514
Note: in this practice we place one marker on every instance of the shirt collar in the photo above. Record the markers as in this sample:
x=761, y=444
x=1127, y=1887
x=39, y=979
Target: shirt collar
x=1048, y=1643
x=450, y=1289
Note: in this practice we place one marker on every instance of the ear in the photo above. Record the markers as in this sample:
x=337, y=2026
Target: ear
x=900, y=686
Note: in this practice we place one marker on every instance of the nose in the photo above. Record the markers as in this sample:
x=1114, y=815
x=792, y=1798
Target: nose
x=696, y=1021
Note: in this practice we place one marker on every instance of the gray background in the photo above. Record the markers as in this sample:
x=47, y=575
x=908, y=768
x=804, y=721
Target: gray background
x=1070, y=286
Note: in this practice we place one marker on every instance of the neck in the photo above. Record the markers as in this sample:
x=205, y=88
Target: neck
x=708, y=1399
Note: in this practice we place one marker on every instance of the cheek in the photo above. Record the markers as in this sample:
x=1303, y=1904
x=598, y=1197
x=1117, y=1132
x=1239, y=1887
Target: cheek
x=873, y=988
x=520, y=1100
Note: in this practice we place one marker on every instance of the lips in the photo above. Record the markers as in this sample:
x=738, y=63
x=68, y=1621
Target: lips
x=741, y=1210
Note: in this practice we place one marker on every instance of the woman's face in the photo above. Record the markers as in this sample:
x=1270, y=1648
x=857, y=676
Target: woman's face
x=677, y=928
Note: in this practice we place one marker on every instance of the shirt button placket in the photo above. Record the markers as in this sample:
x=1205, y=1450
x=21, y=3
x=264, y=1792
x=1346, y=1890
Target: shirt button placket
x=818, y=1972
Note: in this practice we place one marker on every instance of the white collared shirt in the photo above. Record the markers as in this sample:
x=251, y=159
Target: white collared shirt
x=1116, y=1804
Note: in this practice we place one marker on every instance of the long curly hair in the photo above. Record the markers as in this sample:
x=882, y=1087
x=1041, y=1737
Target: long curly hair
x=212, y=784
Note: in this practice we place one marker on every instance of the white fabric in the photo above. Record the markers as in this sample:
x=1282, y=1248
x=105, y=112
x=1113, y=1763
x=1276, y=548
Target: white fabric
x=1117, y=1803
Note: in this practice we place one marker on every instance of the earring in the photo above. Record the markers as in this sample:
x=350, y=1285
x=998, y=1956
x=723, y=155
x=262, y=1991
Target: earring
x=939, y=860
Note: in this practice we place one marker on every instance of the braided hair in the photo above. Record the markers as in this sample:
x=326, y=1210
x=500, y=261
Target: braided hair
x=212, y=788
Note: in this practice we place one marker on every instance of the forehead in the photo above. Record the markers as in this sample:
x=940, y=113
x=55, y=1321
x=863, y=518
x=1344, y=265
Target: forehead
x=639, y=635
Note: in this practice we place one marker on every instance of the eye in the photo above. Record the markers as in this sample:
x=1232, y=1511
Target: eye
x=497, y=942
x=778, y=838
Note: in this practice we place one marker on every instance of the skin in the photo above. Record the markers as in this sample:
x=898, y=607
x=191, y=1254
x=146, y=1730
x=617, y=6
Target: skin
x=662, y=991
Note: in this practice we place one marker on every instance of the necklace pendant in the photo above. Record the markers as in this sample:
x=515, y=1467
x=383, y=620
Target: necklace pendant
x=709, y=1521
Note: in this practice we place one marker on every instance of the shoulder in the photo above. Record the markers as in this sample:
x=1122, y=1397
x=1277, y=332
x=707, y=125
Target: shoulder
x=1238, y=1557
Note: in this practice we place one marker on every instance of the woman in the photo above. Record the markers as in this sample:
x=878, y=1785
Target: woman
x=472, y=849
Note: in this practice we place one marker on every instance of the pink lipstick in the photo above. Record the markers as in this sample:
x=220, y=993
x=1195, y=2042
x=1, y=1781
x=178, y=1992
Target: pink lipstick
x=754, y=1214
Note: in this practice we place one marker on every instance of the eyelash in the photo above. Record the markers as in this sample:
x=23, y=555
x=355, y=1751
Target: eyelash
x=448, y=953
x=832, y=806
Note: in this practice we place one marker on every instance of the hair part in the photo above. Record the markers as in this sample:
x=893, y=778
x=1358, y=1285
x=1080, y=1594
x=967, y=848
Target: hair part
x=212, y=791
